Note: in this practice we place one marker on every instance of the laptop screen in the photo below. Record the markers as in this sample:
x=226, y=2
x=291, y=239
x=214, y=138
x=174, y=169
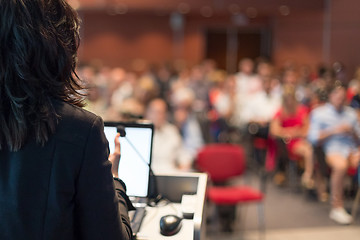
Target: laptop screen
x=136, y=151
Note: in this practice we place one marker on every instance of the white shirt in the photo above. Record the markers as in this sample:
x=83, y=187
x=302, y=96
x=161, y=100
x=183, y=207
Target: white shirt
x=167, y=148
x=261, y=107
x=247, y=86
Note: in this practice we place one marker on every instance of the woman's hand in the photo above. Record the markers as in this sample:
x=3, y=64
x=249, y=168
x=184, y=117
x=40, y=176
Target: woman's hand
x=114, y=157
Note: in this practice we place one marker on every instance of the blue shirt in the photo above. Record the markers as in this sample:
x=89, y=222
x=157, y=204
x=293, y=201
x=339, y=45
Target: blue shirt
x=327, y=118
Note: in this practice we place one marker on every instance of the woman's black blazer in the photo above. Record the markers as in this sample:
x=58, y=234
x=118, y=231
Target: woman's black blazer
x=63, y=190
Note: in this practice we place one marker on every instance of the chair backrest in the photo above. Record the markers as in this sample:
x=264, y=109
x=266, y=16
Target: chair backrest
x=221, y=161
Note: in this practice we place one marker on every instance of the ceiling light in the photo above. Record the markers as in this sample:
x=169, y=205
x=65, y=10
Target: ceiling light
x=206, y=11
x=240, y=19
x=251, y=12
x=234, y=9
x=183, y=8
x=284, y=10
x=120, y=8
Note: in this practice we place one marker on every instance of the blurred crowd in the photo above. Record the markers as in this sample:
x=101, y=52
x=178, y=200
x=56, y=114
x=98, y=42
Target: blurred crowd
x=280, y=115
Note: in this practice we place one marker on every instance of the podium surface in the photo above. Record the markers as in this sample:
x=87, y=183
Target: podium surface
x=172, y=187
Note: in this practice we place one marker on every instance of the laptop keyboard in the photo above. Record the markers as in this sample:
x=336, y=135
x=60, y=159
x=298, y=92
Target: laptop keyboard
x=137, y=219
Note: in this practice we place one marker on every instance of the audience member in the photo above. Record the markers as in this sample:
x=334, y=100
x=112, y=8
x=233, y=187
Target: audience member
x=222, y=101
x=120, y=87
x=187, y=122
x=258, y=113
x=302, y=92
x=320, y=86
x=204, y=101
x=246, y=85
x=318, y=98
x=131, y=109
x=245, y=78
x=146, y=89
x=263, y=105
x=263, y=70
x=163, y=77
x=168, y=154
x=340, y=73
x=95, y=101
x=290, y=124
x=336, y=127
x=180, y=81
x=200, y=85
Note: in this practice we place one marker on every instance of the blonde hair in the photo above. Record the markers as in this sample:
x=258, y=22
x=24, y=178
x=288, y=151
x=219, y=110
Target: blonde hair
x=289, y=101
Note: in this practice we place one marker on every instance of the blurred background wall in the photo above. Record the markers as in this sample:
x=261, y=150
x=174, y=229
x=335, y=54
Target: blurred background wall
x=134, y=33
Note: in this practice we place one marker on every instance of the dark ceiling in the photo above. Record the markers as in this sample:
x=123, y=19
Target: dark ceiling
x=207, y=8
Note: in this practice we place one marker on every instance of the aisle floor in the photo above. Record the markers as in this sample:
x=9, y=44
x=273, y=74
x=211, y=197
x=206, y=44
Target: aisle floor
x=289, y=214
x=317, y=233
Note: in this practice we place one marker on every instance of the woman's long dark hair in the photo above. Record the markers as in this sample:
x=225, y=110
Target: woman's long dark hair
x=38, y=44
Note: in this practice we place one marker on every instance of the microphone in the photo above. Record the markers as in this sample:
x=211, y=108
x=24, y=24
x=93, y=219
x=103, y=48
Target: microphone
x=121, y=130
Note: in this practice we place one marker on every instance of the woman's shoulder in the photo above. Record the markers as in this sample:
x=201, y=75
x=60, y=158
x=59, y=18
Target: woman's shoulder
x=67, y=111
x=75, y=121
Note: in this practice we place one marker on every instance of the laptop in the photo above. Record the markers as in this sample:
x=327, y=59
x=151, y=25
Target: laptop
x=135, y=162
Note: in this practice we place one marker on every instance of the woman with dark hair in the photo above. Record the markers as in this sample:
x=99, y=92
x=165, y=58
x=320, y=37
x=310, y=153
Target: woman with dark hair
x=56, y=180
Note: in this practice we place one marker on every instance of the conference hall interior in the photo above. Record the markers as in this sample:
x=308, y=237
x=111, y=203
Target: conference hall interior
x=259, y=75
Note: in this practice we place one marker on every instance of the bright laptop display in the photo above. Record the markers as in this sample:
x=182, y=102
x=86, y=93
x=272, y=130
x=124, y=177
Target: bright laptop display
x=136, y=151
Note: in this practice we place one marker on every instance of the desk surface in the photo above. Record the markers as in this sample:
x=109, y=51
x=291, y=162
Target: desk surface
x=150, y=227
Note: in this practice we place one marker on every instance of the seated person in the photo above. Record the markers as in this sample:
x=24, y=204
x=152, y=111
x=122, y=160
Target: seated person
x=261, y=109
x=291, y=125
x=258, y=113
x=168, y=152
x=336, y=127
x=187, y=122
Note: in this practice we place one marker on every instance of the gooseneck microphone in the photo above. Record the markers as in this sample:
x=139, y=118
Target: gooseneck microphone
x=121, y=129
x=158, y=197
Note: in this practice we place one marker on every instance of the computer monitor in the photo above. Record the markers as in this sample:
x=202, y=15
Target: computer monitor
x=136, y=152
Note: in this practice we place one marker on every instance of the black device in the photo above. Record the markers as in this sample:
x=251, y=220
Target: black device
x=170, y=225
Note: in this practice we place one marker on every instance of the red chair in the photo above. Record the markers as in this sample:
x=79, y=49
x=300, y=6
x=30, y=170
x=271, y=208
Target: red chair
x=355, y=206
x=223, y=162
